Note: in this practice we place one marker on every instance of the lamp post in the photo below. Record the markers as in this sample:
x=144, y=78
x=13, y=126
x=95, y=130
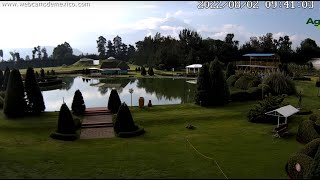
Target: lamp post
x=131, y=91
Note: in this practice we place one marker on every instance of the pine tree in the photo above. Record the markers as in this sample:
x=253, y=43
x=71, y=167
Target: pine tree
x=48, y=72
x=6, y=78
x=37, y=74
x=114, y=101
x=14, y=103
x=150, y=71
x=143, y=71
x=124, y=121
x=203, y=86
x=34, y=95
x=78, y=107
x=230, y=70
x=219, y=90
x=53, y=72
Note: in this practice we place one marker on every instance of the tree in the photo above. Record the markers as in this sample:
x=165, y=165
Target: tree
x=45, y=54
x=131, y=51
x=230, y=70
x=308, y=49
x=14, y=103
x=114, y=101
x=219, y=90
x=12, y=55
x=110, y=49
x=39, y=52
x=1, y=78
x=101, y=45
x=34, y=95
x=143, y=71
x=6, y=78
x=27, y=58
x=34, y=53
x=314, y=172
x=53, y=72
x=62, y=51
x=1, y=54
x=117, y=42
x=203, y=86
x=37, y=74
x=150, y=71
x=42, y=74
x=17, y=55
x=124, y=121
x=48, y=72
x=78, y=107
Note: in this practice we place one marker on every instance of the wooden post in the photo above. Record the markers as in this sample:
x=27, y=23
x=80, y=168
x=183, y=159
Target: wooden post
x=278, y=120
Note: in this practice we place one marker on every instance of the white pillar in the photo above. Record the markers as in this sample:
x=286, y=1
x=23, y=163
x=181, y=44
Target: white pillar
x=194, y=70
x=286, y=120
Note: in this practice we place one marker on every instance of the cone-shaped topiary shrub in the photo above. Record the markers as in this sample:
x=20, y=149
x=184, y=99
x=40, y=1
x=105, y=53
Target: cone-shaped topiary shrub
x=143, y=71
x=150, y=71
x=66, y=126
x=124, y=125
x=307, y=131
x=15, y=104
x=42, y=73
x=114, y=101
x=78, y=107
x=203, y=86
x=34, y=95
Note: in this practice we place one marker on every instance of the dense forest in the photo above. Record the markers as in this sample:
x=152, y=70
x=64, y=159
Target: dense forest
x=166, y=52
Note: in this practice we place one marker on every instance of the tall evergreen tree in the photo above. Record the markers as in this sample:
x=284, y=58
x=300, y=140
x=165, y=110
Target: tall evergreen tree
x=143, y=71
x=203, y=86
x=34, y=95
x=6, y=78
x=78, y=107
x=230, y=70
x=42, y=73
x=150, y=71
x=101, y=45
x=219, y=90
x=14, y=103
x=114, y=101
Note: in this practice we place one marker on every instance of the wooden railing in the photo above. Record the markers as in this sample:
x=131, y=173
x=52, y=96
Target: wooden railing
x=260, y=63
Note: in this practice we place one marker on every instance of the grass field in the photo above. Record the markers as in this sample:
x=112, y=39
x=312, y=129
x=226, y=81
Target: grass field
x=242, y=149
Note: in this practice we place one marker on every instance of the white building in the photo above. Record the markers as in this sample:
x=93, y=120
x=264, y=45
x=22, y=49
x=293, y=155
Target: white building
x=195, y=68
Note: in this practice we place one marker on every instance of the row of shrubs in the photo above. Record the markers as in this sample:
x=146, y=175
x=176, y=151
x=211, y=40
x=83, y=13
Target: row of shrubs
x=253, y=93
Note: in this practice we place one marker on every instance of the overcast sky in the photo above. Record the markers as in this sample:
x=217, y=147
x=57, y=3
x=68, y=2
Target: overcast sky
x=23, y=27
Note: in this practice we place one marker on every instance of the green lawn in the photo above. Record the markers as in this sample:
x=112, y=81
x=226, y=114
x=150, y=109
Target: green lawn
x=242, y=149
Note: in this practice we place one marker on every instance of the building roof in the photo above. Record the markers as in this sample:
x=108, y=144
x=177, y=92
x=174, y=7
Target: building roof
x=284, y=111
x=111, y=58
x=107, y=64
x=194, y=66
x=261, y=54
x=110, y=69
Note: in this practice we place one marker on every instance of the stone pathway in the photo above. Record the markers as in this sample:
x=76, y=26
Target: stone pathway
x=97, y=123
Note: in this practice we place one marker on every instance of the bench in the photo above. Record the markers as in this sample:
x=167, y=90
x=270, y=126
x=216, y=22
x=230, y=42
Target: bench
x=282, y=130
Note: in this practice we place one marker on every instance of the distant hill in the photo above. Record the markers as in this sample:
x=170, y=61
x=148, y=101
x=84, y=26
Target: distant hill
x=28, y=51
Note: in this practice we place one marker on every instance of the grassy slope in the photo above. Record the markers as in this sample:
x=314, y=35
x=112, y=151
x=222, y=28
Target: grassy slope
x=242, y=149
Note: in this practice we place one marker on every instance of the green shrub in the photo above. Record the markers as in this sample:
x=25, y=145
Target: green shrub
x=240, y=95
x=203, y=86
x=66, y=125
x=78, y=107
x=150, y=71
x=124, y=122
x=314, y=169
x=255, y=93
x=143, y=71
x=15, y=104
x=280, y=84
x=306, y=132
x=311, y=148
x=255, y=82
x=230, y=70
x=243, y=82
x=232, y=79
x=34, y=95
x=305, y=163
x=314, y=117
x=265, y=88
x=114, y=101
x=269, y=103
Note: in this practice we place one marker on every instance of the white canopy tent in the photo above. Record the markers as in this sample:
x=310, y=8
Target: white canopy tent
x=193, y=67
x=284, y=111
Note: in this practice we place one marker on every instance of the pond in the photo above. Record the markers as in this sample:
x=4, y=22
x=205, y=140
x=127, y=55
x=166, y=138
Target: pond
x=96, y=91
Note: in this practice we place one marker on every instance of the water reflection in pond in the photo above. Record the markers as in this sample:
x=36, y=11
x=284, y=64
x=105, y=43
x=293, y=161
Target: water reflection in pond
x=96, y=91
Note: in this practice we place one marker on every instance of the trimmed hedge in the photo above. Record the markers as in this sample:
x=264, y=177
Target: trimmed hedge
x=314, y=169
x=311, y=148
x=240, y=95
x=307, y=132
x=232, y=79
x=305, y=163
x=137, y=132
x=243, y=82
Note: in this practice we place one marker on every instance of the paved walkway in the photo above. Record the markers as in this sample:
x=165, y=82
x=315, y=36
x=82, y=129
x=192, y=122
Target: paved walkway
x=102, y=120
